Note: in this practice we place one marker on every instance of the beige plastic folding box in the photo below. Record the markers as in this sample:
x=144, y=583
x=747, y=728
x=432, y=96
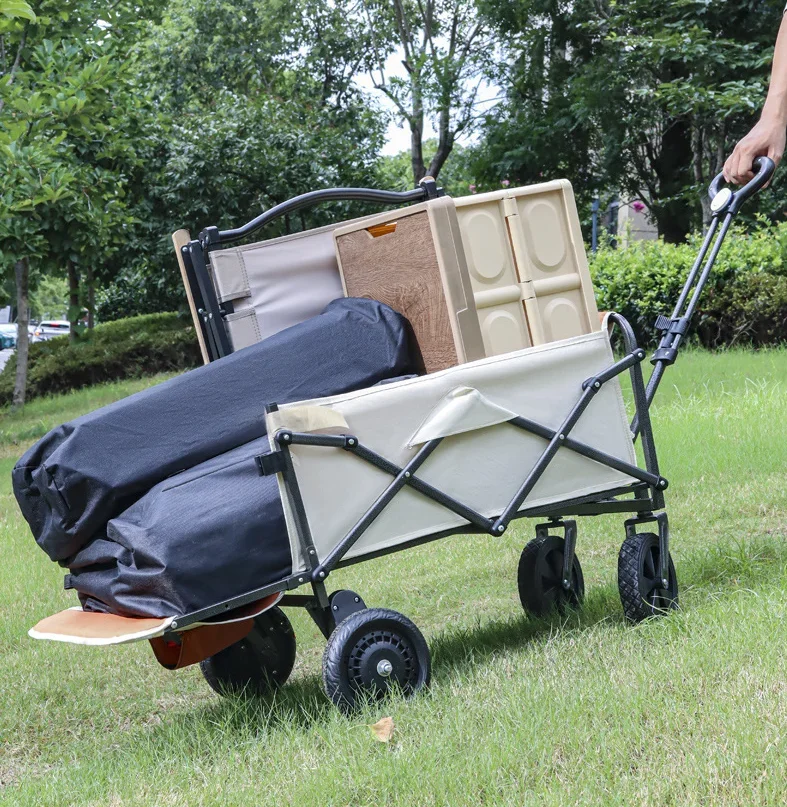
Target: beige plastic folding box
x=413, y=260
x=527, y=265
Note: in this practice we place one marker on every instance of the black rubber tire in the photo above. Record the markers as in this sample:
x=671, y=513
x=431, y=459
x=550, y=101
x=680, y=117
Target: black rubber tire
x=359, y=643
x=639, y=584
x=259, y=663
x=540, y=578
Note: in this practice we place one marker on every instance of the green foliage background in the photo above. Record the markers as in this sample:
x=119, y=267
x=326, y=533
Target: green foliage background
x=129, y=348
x=745, y=302
x=121, y=123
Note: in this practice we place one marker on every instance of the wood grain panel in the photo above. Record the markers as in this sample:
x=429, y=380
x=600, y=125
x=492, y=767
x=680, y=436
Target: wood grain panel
x=400, y=269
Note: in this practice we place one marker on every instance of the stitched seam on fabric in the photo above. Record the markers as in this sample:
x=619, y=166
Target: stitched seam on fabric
x=622, y=407
x=244, y=293
x=256, y=324
x=232, y=464
x=246, y=313
x=247, y=285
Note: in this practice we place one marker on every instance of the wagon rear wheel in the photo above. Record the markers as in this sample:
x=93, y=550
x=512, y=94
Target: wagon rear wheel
x=641, y=588
x=259, y=663
x=372, y=652
x=540, y=578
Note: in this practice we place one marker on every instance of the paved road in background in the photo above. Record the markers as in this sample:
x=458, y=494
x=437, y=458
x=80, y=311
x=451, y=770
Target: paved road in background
x=5, y=355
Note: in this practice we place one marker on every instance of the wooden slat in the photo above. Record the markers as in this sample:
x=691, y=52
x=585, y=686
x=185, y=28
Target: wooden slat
x=181, y=238
x=87, y=627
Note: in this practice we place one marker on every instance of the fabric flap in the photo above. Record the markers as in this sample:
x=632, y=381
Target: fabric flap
x=229, y=275
x=464, y=409
x=307, y=419
x=243, y=327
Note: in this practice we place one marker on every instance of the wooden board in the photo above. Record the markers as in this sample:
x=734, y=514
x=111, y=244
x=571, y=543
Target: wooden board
x=88, y=627
x=399, y=267
x=92, y=628
x=180, y=239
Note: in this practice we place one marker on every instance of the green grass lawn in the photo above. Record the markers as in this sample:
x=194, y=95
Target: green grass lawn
x=690, y=709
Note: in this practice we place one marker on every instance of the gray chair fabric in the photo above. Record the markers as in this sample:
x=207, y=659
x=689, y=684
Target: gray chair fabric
x=275, y=284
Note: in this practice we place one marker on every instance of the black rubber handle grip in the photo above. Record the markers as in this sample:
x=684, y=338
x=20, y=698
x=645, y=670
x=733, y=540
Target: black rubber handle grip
x=765, y=168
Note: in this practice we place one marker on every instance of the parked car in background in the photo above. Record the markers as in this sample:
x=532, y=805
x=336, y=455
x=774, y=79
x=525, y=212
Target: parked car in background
x=7, y=336
x=49, y=329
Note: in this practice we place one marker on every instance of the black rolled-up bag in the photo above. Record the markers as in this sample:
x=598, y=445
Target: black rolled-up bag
x=200, y=537
x=88, y=471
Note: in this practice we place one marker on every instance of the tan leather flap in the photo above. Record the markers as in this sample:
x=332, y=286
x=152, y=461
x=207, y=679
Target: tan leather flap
x=87, y=627
x=91, y=628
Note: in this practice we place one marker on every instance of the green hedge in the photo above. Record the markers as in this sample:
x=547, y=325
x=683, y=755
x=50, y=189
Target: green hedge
x=126, y=348
x=745, y=301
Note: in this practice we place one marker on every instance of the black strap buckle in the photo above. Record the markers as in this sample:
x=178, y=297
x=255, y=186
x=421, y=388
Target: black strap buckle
x=270, y=464
x=678, y=326
x=667, y=355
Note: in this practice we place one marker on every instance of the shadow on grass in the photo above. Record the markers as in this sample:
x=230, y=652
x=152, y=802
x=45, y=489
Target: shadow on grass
x=728, y=567
x=456, y=650
x=302, y=703
x=299, y=704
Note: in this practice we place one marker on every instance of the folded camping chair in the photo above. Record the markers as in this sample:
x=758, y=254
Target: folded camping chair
x=241, y=295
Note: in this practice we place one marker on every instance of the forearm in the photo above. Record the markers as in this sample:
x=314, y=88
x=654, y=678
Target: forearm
x=775, y=108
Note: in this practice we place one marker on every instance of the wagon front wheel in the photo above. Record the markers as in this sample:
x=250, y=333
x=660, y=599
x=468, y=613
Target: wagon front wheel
x=540, y=577
x=641, y=588
x=259, y=663
x=372, y=652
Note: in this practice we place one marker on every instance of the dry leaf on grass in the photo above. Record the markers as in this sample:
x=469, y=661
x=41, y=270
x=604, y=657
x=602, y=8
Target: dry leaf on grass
x=383, y=729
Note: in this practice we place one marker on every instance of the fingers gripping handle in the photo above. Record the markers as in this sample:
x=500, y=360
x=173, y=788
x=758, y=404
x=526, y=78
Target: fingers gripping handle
x=723, y=200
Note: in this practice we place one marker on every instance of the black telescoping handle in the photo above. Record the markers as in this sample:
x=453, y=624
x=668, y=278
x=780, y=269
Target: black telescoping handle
x=724, y=205
x=427, y=189
x=723, y=200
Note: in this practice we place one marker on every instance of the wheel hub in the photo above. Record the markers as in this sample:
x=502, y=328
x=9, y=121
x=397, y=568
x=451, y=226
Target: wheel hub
x=380, y=659
x=655, y=590
x=557, y=591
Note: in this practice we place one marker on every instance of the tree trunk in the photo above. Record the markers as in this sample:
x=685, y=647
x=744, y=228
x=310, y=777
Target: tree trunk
x=417, y=155
x=721, y=147
x=445, y=141
x=698, y=140
x=73, y=301
x=21, y=273
x=417, y=130
x=91, y=298
x=672, y=212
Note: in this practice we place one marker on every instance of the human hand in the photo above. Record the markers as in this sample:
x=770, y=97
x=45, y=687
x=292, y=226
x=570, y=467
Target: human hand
x=766, y=139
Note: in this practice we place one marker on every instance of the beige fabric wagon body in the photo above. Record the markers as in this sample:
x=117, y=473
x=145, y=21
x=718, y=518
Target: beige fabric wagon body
x=480, y=465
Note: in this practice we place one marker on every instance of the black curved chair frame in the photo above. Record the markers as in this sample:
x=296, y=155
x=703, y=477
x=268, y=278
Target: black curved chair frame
x=196, y=253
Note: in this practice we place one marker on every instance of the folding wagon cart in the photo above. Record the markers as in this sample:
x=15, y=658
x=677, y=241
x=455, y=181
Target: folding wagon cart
x=539, y=433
